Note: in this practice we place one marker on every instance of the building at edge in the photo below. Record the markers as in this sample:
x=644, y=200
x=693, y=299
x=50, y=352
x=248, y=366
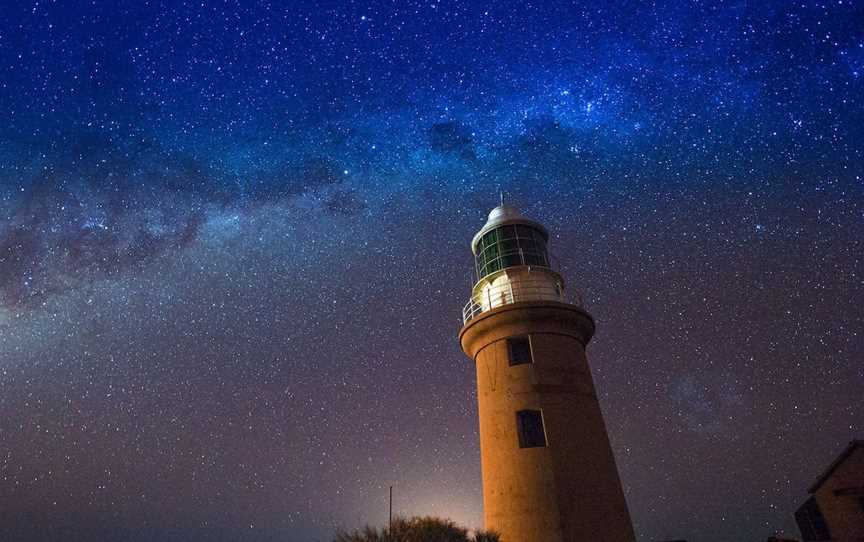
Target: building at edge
x=835, y=509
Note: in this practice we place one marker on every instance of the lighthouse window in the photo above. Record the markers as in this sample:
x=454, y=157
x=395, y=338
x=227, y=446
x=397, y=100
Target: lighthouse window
x=507, y=232
x=490, y=238
x=519, y=350
x=510, y=246
x=529, y=424
x=524, y=232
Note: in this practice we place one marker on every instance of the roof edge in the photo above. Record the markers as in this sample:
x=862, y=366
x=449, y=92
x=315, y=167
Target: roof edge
x=844, y=455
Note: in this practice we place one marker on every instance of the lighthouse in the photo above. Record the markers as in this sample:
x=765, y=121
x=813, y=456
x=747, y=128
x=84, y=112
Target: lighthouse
x=549, y=473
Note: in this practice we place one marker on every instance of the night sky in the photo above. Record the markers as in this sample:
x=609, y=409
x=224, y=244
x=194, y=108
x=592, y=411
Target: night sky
x=234, y=249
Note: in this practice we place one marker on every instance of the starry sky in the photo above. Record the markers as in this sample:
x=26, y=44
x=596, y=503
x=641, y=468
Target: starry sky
x=234, y=249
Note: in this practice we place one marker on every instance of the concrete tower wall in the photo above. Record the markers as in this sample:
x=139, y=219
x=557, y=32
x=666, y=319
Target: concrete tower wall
x=568, y=491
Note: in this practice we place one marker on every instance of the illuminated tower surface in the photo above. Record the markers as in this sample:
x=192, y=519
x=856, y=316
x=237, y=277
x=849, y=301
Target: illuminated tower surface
x=549, y=474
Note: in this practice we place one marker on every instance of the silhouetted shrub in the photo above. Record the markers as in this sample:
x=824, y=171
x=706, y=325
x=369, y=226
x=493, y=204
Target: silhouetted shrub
x=417, y=529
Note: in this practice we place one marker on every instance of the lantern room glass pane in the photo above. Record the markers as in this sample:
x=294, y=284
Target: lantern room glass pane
x=524, y=232
x=510, y=246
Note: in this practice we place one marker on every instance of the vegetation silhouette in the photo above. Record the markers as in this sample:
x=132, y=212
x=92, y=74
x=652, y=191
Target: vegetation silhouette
x=417, y=529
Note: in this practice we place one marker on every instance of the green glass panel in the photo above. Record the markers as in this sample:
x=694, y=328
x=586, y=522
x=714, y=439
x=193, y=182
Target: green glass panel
x=511, y=261
x=527, y=244
x=524, y=232
x=532, y=258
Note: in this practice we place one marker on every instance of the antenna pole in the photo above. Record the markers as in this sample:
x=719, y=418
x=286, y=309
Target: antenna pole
x=390, y=528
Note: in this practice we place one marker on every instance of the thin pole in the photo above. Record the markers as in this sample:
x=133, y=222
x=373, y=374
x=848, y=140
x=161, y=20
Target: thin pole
x=390, y=529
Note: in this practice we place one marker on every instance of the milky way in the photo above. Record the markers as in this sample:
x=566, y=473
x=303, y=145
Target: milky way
x=234, y=248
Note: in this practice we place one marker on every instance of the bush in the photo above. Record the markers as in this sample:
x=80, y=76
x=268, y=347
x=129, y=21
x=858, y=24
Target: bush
x=417, y=529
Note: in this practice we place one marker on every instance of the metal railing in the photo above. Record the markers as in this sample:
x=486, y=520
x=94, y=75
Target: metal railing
x=515, y=292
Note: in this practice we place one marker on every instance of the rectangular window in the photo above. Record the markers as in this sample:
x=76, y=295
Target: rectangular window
x=519, y=350
x=529, y=424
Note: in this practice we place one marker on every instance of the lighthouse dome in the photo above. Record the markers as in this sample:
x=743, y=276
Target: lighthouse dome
x=504, y=215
